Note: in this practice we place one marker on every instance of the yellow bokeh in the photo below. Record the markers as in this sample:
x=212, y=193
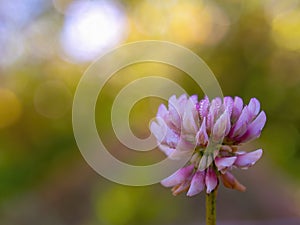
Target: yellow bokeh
x=183, y=22
x=10, y=108
x=286, y=30
x=152, y=17
x=190, y=23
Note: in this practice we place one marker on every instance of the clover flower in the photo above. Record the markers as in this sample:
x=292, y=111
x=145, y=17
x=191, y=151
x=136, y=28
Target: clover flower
x=211, y=131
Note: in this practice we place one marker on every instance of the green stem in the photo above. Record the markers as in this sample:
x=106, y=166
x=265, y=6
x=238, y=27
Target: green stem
x=211, y=200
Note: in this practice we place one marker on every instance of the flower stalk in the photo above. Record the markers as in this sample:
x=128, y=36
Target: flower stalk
x=211, y=200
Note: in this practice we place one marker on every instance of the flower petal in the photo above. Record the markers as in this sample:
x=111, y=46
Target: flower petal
x=240, y=127
x=182, y=99
x=158, y=130
x=178, y=155
x=197, y=184
x=228, y=104
x=190, y=121
x=253, y=107
x=204, y=107
x=194, y=99
x=246, y=160
x=178, y=189
x=174, y=111
x=178, y=177
x=171, y=138
x=186, y=143
x=230, y=181
x=201, y=136
x=166, y=149
x=213, y=112
x=254, y=129
x=224, y=162
x=211, y=180
x=236, y=109
x=221, y=127
x=162, y=111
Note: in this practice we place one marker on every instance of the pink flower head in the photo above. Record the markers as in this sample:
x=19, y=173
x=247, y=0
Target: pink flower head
x=211, y=131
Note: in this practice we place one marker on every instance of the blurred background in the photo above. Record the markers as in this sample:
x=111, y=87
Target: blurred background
x=252, y=46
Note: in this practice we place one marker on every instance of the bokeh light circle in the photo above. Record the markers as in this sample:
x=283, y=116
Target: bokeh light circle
x=91, y=28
